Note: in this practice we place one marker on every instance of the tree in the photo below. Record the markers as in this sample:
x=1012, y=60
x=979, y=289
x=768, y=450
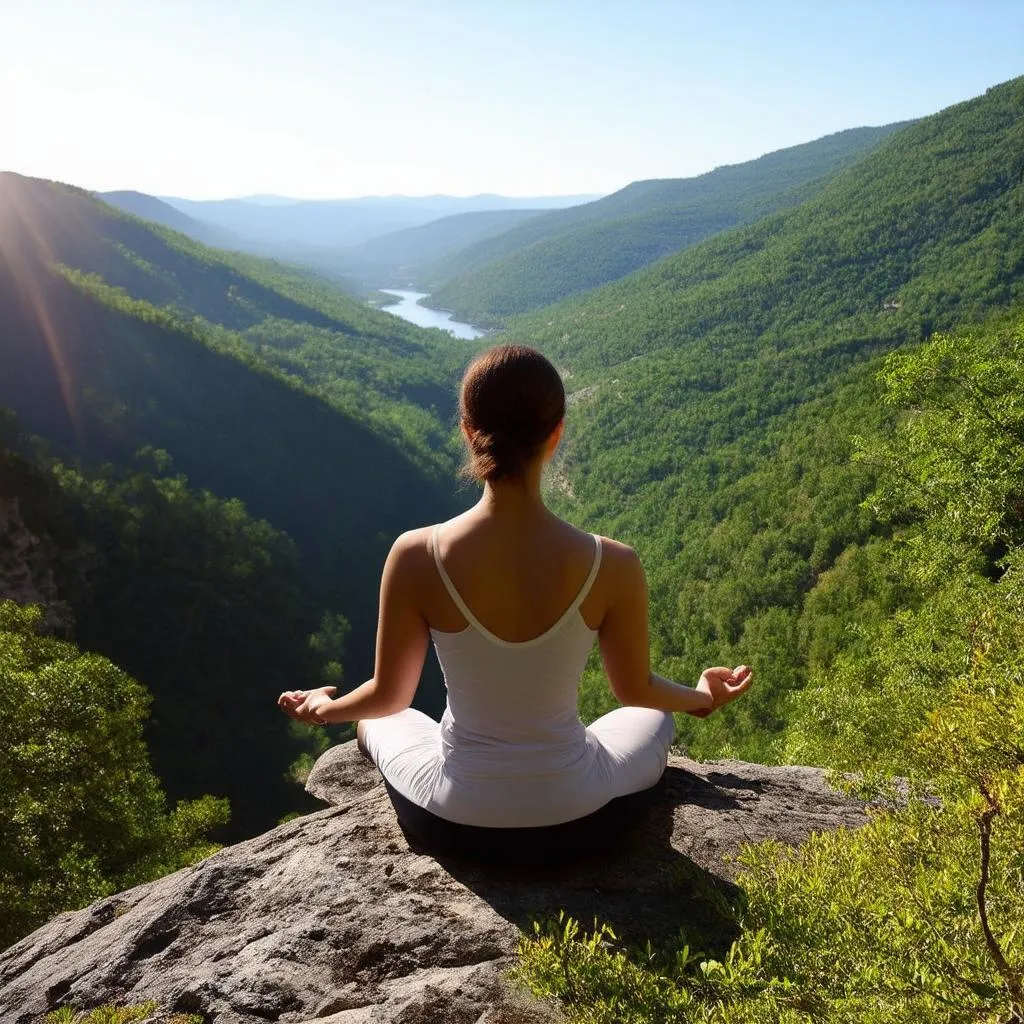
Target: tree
x=81, y=812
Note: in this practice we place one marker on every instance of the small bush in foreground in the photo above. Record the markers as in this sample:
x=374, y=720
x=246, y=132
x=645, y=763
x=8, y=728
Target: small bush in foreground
x=118, y=1015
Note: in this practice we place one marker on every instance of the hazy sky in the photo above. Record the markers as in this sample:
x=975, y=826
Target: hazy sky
x=317, y=98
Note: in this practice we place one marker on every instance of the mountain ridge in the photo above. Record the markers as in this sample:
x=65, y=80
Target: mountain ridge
x=148, y=207
x=572, y=250
x=338, y=223
x=396, y=258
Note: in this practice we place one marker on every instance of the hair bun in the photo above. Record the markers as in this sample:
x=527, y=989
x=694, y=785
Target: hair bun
x=512, y=400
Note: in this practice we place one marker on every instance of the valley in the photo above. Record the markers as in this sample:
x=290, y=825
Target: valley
x=795, y=388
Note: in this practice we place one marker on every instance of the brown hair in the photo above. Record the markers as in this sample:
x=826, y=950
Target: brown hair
x=512, y=399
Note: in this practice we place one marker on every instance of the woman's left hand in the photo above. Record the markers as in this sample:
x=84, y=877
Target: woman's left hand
x=302, y=704
x=724, y=685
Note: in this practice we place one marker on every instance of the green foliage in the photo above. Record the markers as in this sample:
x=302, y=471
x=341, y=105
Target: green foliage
x=111, y=1014
x=878, y=925
x=951, y=478
x=918, y=915
x=81, y=812
x=200, y=601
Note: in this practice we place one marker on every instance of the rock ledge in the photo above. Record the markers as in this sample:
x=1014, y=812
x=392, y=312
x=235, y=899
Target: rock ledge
x=332, y=918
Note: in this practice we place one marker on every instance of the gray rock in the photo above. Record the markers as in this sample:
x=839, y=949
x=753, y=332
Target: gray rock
x=26, y=569
x=333, y=917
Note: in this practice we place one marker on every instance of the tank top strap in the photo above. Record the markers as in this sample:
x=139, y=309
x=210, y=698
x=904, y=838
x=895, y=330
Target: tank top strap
x=585, y=589
x=475, y=622
x=447, y=581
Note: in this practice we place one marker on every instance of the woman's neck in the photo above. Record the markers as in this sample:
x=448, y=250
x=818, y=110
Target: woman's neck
x=518, y=499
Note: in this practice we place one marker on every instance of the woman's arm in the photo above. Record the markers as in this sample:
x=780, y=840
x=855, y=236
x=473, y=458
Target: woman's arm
x=625, y=650
x=402, y=640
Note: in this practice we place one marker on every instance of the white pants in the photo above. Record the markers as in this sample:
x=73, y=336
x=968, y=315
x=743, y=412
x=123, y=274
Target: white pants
x=626, y=752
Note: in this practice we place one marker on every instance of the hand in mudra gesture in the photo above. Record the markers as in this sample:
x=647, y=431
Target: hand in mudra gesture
x=302, y=704
x=724, y=684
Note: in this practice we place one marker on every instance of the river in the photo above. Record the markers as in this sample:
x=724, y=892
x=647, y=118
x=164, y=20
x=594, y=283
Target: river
x=408, y=308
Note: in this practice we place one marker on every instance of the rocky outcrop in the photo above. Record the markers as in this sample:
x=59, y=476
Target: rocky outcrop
x=26, y=569
x=334, y=918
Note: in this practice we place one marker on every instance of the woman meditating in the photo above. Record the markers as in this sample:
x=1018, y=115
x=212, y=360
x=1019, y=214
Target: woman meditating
x=513, y=598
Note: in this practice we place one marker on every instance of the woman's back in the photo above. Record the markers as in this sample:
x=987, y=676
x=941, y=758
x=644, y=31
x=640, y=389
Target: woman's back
x=512, y=703
x=516, y=574
x=510, y=750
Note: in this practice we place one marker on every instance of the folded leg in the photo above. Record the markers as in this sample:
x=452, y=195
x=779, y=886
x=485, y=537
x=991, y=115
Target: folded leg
x=632, y=748
x=406, y=748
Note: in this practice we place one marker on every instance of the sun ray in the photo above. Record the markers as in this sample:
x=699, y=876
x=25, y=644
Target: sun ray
x=28, y=260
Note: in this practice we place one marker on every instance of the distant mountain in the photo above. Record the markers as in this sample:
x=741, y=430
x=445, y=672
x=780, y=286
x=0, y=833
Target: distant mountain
x=439, y=201
x=139, y=204
x=568, y=251
x=400, y=257
x=339, y=223
x=157, y=211
x=268, y=200
x=470, y=204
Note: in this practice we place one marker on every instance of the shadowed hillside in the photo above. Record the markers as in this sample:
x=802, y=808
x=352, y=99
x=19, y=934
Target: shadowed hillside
x=101, y=374
x=138, y=204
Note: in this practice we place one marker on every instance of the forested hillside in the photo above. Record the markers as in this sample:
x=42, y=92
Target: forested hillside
x=222, y=391
x=715, y=394
x=561, y=253
x=402, y=257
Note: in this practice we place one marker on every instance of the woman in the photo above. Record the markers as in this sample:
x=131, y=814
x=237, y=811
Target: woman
x=512, y=598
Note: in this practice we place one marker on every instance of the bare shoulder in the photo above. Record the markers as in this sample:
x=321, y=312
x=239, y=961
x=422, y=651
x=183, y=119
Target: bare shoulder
x=620, y=558
x=622, y=577
x=620, y=591
x=413, y=540
x=410, y=551
x=616, y=551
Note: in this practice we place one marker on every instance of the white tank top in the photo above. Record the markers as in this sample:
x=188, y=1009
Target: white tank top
x=511, y=716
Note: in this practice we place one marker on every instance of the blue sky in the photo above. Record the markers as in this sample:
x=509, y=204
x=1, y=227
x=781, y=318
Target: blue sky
x=319, y=98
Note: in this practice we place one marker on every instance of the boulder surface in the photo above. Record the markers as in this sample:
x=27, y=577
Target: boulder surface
x=335, y=918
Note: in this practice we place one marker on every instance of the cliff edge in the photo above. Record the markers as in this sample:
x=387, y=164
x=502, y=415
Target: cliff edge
x=335, y=918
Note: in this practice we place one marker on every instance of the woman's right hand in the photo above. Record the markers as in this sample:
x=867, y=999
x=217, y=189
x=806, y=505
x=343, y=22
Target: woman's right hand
x=302, y=704
x=723, y=684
